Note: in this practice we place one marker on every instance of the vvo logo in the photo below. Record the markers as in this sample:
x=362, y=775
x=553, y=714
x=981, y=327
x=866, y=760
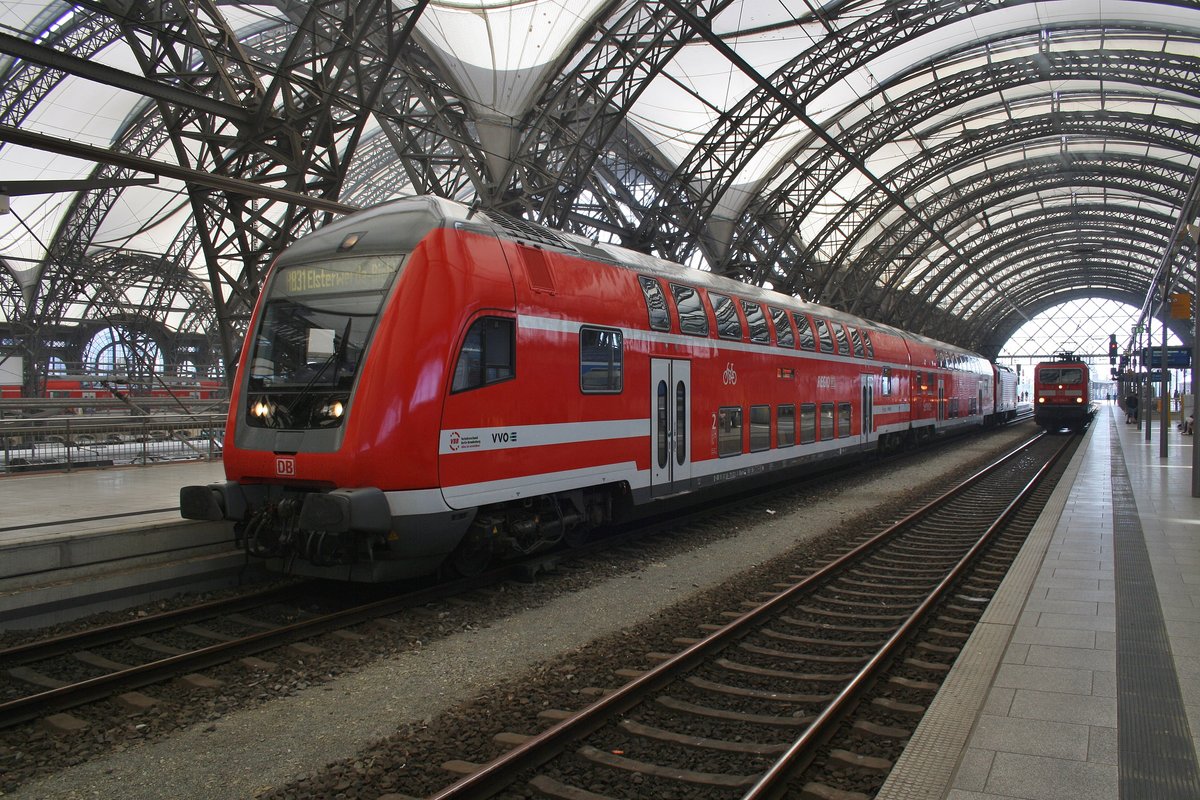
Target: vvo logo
x=285, y=466
x=504, y=437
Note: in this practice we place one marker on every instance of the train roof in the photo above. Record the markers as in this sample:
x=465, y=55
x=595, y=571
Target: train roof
x=428, y=213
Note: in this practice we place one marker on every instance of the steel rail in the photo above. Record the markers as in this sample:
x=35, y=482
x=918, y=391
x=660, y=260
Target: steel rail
x=500, y=772
x=29, y=707
x=774, y=781
x=107, y=634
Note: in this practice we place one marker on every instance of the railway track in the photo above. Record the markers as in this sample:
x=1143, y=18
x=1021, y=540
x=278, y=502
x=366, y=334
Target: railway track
x=815, y=688
x=44, y=677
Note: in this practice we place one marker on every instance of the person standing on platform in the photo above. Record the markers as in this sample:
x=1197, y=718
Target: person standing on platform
x=1131, y=408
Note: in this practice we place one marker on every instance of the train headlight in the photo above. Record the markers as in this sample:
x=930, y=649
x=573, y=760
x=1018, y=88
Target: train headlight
x=1041, y=399
x=1079, y=400
x=262, y=409
x=334, y=410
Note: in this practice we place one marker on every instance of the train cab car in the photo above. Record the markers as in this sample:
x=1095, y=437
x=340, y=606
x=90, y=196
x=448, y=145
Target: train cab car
x=1061, y=394
x=424, y=384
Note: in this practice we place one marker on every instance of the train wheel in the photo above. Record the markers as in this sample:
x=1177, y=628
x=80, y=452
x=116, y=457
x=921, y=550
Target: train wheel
x=473, y=553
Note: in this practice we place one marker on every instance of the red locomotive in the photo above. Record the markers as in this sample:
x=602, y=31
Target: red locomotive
x=1062, y=394
x=423, y=382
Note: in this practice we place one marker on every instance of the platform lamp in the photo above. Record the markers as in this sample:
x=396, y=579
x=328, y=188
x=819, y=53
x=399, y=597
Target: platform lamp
x=1193, y=232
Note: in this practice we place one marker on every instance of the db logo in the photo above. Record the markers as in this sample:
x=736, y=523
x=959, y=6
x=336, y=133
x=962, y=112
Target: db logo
x=455, y=440
x=729, y=376
x=285, y=466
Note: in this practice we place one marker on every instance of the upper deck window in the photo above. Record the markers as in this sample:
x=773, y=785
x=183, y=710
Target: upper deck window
x=867, y=346
x=825, y=334
x=843, y=345
x=692, y=318
x=807, y=340
x=757, y=322
x=729, y=326
x=783, y=328
x=656, y=304
x=856, y=341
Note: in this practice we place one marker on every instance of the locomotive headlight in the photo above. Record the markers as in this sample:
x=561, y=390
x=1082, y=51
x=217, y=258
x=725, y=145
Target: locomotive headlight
x=1041, y=399
x=1078, y=399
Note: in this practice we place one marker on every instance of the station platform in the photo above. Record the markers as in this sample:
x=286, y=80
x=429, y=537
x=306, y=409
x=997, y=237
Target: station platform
x=93, y=540
x=1083, y=680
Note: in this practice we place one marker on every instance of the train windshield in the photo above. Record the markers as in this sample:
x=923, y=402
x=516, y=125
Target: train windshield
x=1062, y=375
x=316, y=324
x=317, y=321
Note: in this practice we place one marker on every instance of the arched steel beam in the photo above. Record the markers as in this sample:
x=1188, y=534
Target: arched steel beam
x=902, y=244
x=585, y=107
x=794, y=199
x=716, y=162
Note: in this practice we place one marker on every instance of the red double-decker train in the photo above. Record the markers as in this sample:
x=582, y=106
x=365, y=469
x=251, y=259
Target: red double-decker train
x=1062, y=394
x=423, y=383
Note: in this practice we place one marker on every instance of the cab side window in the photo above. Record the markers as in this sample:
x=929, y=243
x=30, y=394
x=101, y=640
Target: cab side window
x=487, y=355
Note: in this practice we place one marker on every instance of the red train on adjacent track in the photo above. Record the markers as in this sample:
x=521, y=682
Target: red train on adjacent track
x=425, y=383
x=1062, y=394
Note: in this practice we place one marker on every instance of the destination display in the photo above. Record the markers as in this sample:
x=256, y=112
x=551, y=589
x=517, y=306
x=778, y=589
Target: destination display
x=368, y=274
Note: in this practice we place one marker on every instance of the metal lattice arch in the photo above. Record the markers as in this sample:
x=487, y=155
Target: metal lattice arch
x=951, y=168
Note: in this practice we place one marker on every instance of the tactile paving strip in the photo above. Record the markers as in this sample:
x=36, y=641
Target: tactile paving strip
x=1155, y=754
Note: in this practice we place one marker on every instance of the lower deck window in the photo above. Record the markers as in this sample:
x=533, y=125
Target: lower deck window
x=808, y=423
x=785, y=426
x=729, y=440
x=760, y=428
x=843, y=420
x=828, y=422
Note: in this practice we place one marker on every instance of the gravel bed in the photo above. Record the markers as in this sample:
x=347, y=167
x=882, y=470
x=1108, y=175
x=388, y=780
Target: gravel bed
x=385, y=711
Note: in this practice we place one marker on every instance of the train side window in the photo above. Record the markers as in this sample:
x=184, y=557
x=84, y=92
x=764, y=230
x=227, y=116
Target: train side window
x=825, y=335
x=692, y=318
x=785, y=427
x=828, y=422
x=856, y=342
x=843, y=344
x=656, y=304
x=783, y=328
x=487, y=355
x=807, y=340
x=757, y=322
x=601, y=360
x=760, y=428
x=867, y=346
x=729, y=326
x=808, y=423
x=843, y=420
x=729, y=421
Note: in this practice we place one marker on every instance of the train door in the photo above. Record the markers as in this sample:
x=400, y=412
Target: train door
x=670, y=412
x=868, y=407
x=941, y=401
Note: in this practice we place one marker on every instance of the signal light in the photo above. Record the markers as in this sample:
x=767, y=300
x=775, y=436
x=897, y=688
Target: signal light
x=1112, y=348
